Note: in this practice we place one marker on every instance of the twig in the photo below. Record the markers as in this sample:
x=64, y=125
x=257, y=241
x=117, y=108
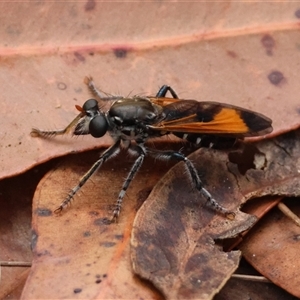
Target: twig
x=15, y=263
x=287, y=212
x=250, y=277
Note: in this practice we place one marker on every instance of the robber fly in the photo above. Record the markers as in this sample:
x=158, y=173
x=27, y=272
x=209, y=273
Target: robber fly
x=132, y=121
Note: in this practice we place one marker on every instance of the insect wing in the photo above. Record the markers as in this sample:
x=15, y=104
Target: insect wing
x=190, y=116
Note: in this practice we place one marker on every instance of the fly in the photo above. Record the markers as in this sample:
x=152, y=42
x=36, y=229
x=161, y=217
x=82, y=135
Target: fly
x=132, y=121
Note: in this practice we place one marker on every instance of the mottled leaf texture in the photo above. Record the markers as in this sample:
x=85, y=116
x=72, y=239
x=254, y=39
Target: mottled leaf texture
x=173, y=236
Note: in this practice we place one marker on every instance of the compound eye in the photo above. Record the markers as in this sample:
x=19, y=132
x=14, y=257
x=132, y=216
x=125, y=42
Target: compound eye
x=90, y=104
x=98, y=126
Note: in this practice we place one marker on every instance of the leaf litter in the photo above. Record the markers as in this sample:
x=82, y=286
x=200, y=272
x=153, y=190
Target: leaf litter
x=173, y=235
x=47, y=67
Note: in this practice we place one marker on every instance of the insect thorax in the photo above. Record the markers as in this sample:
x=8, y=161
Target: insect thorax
x=129, y=118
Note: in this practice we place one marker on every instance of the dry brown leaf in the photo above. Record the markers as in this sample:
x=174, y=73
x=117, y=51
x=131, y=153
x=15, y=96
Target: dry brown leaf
x=241, y=289
x=239, y=53
x=173, y=240
x=76, y=254
x=15, y=228
x=258, y=208
x=173, y=237
x=272, y=247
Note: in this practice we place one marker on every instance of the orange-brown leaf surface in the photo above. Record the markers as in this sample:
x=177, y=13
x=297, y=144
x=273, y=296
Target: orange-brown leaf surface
x=240, y=53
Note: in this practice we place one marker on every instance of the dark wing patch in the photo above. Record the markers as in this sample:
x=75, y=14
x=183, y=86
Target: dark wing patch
x=257, y=122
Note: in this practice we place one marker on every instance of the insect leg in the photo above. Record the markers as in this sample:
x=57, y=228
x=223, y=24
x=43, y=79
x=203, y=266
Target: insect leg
x=134, y=169
x=194, y=177
x=44, y=133
x=163, y=91
x=88, y=80
x=110, y=152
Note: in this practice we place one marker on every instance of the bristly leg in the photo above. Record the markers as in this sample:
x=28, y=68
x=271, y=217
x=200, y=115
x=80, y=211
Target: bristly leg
x=49, y=133
x=110, y=152
x=88, y=80
x=134, y=169
x=211, y=202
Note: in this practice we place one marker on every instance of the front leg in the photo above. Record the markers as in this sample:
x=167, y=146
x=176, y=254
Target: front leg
x=110, y=152
x=88, y=80
x=35, y=132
